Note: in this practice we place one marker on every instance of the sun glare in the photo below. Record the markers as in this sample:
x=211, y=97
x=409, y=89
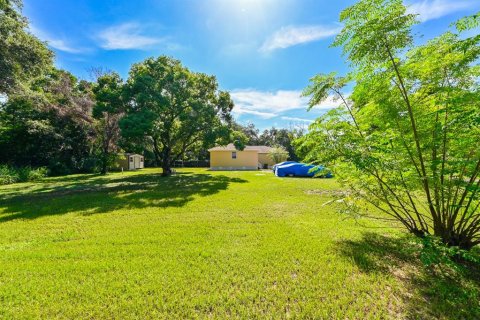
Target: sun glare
x=243, y=19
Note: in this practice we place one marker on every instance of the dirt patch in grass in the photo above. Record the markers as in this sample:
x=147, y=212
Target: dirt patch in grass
x=327, y=193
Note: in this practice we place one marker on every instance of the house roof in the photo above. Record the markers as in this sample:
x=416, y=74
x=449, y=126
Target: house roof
x=231, y=147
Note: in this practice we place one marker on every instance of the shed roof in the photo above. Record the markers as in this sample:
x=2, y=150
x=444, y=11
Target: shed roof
x=231, y=147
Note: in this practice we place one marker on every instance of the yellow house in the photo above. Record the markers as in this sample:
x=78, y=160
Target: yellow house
x=250, y=158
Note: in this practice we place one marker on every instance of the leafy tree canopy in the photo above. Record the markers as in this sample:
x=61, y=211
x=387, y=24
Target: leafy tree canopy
x=49, y=126
x=108, y=110
x=405, y=140
x=174, y=108
x=278, y=154
x=22, y=55
x=250, y=135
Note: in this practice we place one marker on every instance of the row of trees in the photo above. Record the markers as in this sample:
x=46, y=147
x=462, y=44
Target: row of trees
x=405, y=141
x=284, y=137
x=162, y=107
x=50, y=118
x=70, y=125
x=163, y=110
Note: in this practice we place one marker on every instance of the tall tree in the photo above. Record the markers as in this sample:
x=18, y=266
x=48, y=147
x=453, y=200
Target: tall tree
x=406, y=139
x=174, y=108
x=108, y=110
x=249, y=133
x=22, y=55
x=284, y=138
x=51, y=125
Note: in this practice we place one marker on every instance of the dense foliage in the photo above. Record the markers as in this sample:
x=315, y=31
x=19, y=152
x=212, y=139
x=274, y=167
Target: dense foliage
x=22, y=55
x=10, y=175
x=250, y=135
x=278, y=154
x=174, y=109
x=48, y=125
x=108, y=110
x=405, y=140
x=48, y=118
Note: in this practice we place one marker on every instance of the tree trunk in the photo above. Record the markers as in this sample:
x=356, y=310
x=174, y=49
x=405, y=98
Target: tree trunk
x=156, y=152
x=166, y=163
x=105, y=156
x=104, y=164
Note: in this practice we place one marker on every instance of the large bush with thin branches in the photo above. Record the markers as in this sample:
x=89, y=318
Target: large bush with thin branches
x=405, y=139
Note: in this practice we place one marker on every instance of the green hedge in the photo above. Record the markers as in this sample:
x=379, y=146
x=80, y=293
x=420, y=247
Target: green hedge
x=9, y=174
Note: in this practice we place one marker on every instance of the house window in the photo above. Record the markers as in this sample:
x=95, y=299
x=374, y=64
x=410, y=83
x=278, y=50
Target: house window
x=234, y=155
x=141, y=159
x=131, y=159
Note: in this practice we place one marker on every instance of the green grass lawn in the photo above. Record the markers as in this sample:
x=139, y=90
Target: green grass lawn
x=204, y=244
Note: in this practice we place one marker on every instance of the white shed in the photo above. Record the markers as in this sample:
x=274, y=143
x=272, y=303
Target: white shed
x=131, y=161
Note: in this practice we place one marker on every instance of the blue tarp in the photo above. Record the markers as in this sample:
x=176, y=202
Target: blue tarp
x=281, y=164
x=300, y=170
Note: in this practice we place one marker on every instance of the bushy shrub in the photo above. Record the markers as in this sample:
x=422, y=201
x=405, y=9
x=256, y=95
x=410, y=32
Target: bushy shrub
x=278, y=154
x=6, y=175
x=58, y=168
x=9, y=174
x=90, y=165
x=37, y=174
x=435, y=254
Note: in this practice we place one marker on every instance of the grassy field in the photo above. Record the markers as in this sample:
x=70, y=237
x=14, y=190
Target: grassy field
x=204, y=244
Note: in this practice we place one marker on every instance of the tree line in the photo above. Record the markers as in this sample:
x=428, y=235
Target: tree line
x=163, y=110
x=283, y=138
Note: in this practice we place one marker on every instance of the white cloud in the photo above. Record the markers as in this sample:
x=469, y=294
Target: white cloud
x=55, y=43
x=62, y=46
x=126, y=36
x=270, y=104
x=263, y=115
x=297, y=119
x=434, y=9
x=292, y=36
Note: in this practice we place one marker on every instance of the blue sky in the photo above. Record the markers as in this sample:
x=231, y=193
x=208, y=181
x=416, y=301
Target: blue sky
x=262, y=51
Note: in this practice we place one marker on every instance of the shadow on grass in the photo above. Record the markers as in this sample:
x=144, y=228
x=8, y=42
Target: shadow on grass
x=99, y=194
x=430, y=293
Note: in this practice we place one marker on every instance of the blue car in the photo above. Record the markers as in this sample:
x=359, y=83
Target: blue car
x=300, y=170
x=281, y=164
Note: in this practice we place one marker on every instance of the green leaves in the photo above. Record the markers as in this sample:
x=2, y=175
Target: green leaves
x=109, y=92
x=174, y=108
x=22, y=55
x=371, y=29
x=48, y=124
x=321, y=86
x=468, y=23
x=278, y=154
x=406, y=139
